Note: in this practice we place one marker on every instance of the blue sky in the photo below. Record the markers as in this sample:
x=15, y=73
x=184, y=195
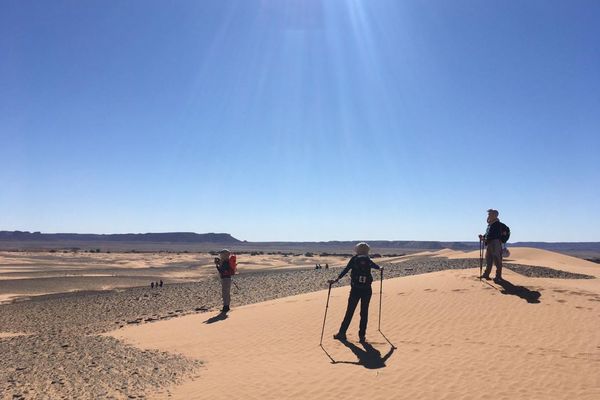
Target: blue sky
x=301, y=120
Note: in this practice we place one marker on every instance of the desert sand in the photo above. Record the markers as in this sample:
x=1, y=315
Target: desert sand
x=454, y=334
x=456, y=338
x=29, y=274
x=65, y=355
x=9, y=334
x=526, y=256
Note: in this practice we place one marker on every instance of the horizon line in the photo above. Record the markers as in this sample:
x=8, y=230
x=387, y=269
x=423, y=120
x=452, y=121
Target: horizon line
x=287, y=241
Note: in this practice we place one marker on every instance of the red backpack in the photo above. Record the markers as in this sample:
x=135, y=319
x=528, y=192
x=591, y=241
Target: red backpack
x=232, y=266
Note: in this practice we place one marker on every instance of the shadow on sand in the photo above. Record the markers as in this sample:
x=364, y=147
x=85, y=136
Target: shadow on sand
x=219, y=317
x=369, y=357
x=531, y=296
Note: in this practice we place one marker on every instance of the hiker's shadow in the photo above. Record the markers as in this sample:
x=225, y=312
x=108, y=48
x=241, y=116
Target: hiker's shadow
x=219, y=317
x=531, y=296
x=369, y=357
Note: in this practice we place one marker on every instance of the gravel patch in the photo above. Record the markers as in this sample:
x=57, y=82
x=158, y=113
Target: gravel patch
x=85, y=367
x=544, y=272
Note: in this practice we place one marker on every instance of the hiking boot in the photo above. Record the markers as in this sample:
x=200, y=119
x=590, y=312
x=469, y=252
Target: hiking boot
x=340, y=336
x=225, y=309
x=486, y=277
x=498, y=279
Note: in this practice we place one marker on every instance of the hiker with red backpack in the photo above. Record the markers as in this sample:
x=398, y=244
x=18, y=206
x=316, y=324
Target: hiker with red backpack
x=496, y=235
x=360, y=280
x=226, y=265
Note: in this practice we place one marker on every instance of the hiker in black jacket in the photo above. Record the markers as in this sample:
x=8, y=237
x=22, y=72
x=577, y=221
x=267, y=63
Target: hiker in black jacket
x=360, y=280
x=493, y=242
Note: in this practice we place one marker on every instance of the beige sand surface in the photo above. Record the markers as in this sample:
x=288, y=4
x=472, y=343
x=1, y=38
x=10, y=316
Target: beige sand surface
x=48, y=263
x=28, y=274
x=270, y=262
x=456, y=338
x=7, y=297
x=10, y=334
x=23, y=265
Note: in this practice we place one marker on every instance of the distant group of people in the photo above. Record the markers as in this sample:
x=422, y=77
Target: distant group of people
x=361, y=279
x=156, y=284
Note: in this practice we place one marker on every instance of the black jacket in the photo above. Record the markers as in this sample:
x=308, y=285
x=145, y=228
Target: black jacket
x=353, y=265
x=224, y=270
x=494, y=231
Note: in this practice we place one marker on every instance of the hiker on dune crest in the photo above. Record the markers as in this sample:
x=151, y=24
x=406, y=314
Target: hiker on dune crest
x=360, y=280
x=495, y=236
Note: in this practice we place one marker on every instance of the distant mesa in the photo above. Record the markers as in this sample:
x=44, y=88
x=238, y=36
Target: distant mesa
x=167, y=237
x=208, y=241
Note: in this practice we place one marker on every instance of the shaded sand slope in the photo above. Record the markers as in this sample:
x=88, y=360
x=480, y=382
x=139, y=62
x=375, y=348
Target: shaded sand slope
x=456, y=338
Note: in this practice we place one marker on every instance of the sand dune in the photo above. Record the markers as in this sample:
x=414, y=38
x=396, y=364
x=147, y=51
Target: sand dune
x=28, y=274
x=528, y=256
x=456, y=338
x=7, y=297
x=10, y=334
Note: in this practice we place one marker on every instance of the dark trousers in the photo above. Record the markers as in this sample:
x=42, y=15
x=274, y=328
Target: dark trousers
x=356, y=294
x=493, y=255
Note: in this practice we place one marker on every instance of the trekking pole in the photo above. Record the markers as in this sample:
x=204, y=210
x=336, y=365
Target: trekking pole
x=480, y=258
x=380, y=301
x=325, y=317
x=380, y=295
